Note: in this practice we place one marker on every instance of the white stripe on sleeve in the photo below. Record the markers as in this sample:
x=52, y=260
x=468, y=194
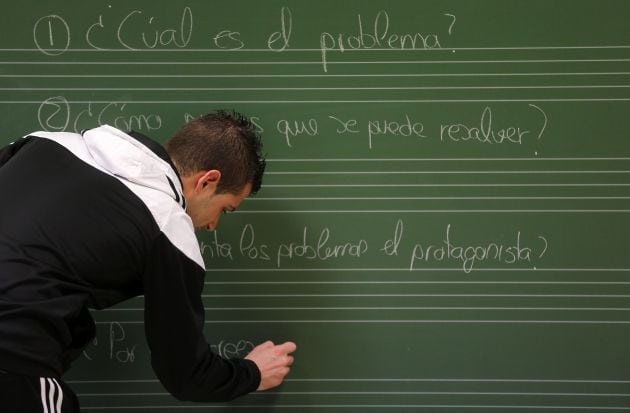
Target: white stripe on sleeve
x=42, y=385
x=51, y=396
x=59, y=396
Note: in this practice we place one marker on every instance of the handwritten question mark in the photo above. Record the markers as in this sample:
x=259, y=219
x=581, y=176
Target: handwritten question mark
x=545, y=248
x=450, y=28
x=545, y=119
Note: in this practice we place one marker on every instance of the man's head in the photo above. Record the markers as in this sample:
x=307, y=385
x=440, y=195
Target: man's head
x=218, y=157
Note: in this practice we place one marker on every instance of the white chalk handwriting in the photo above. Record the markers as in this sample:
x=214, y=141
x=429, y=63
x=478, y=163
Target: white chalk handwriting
x=116, y=346
x=57, y=114
x=469, y=254
x=456, y=246
x=136, y=29
x=230, y=350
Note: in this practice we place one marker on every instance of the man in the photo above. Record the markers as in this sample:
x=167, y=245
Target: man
x=89, y=220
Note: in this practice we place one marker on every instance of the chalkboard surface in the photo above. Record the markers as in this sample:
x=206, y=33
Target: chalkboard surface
x=444, y=225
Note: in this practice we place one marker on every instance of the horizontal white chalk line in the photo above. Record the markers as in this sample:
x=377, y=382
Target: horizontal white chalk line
x=318, y=50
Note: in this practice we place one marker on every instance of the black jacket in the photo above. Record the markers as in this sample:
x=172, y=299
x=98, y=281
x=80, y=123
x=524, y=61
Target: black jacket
x=89, y=220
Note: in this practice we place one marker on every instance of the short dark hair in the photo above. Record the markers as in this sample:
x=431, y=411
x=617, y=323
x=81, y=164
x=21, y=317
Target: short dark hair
x=224, y=140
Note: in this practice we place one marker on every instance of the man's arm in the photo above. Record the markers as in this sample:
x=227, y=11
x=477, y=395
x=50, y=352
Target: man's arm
x=174, y=320
x=180, y=355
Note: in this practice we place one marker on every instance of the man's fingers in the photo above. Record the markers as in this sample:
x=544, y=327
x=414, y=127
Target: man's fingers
x=273, y=361
x=287, y=348
x=267, y=344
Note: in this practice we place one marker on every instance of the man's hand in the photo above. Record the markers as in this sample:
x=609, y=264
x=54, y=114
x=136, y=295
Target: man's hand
x=273, y=361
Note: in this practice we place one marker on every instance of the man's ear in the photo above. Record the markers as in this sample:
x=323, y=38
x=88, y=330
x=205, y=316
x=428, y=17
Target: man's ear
x=209, y=178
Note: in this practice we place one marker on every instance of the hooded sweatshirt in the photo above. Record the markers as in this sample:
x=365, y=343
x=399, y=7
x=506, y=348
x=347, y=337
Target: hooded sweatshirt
x=87, y=221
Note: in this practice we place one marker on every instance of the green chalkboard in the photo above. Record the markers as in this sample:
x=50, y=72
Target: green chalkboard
x=445, y=220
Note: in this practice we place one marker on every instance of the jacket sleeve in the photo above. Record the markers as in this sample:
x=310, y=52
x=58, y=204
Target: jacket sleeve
x=174, y=320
